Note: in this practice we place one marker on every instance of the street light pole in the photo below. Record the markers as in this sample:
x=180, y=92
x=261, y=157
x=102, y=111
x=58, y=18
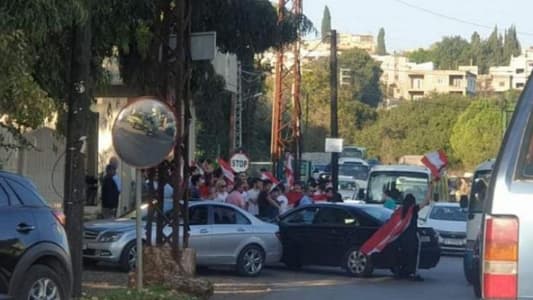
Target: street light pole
x=334, y=122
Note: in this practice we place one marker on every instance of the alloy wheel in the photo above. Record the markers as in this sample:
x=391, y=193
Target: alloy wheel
x=132, y=257
x=44, y=289
x=253, y=261
x=357, y=262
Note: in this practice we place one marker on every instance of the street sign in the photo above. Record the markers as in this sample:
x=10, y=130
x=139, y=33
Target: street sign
x=334, y=145
x=240, y=162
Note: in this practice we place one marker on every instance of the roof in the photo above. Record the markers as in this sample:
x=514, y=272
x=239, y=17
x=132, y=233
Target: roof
x=454, y=204
x=352, y=160
x=399, y=168
x=486, y=166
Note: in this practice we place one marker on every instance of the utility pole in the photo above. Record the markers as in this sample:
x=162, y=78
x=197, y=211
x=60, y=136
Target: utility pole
x=296, y=88
x=333, y=90
x=75, y=166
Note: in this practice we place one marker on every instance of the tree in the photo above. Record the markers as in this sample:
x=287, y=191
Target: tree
x=451, y=52
x=326, y=24
x=511, y=46
x=420, y=55
x=365, y=73
x=381, y=49
x=477, y=134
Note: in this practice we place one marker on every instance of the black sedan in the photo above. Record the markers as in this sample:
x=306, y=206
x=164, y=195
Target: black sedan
x=331, y=234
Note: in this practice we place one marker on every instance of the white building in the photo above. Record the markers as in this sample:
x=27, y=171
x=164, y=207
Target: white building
x=514, y=75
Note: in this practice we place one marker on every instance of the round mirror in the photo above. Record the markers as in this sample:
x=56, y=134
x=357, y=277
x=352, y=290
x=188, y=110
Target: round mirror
x=144, y=133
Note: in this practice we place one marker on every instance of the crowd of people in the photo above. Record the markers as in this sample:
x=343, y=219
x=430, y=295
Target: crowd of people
x=259, y=196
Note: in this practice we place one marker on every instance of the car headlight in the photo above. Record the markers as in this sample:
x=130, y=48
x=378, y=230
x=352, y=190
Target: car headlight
x=111, y=236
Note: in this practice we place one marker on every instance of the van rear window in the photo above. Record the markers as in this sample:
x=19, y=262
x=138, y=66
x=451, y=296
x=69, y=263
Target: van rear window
x=525, y=167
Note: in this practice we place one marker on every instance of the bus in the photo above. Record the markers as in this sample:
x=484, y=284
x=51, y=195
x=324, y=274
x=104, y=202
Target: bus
x=474, y=207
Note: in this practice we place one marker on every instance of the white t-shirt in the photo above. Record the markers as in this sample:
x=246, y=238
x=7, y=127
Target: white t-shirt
x=251, y=199
x=283, y=203
x=221, y=197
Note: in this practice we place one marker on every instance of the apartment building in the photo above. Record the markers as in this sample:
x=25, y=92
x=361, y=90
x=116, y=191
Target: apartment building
x=513, y=76
x=407, y=80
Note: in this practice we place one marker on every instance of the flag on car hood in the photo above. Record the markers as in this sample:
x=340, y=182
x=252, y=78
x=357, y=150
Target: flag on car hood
x=388, y=233
x=227, y=170
x=436, y=162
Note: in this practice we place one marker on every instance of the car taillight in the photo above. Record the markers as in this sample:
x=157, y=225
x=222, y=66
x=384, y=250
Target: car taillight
x=500, y=257
x=60, y=216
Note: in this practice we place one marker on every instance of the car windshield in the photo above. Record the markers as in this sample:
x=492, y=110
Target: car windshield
x=478, y=191
x=355, y=170
x=402, y=183
x=347, y=185
x=448, y=213
x=352, y=152
x=379, y=213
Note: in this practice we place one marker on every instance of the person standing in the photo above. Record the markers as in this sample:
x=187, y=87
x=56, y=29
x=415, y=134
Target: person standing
x=391, y=198
x=110, y=193
x=113, y=163
x=235, y=197
x=409, y=241
x=196, y=182
x=253, y=195
x=333, y=196
x=279, y=195
x=268, y=207
x=307, y=198
x=295, y=194
x=221, y=193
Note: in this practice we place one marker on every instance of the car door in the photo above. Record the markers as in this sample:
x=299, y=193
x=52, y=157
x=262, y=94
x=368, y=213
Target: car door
x=297, y=235
x=201, y=233
x=334, y=229
x=18, y=229
x=231, y=228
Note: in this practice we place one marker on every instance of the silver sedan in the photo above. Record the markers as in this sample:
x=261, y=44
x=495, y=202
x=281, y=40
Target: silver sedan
x=221, y=234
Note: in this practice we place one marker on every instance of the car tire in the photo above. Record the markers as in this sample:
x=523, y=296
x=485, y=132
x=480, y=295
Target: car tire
x=127, y=262
x=251, y=261
x=357, y=264
x=42, y=282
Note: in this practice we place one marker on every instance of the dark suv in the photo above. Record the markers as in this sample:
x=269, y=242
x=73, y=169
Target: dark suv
x=34, y=253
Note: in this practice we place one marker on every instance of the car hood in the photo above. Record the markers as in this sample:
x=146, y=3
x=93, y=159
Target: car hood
x=450, y=226
x=116, y=224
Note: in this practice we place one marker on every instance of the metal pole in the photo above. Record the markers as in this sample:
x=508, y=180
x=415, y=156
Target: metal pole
x=334, y=122
x=138, y=225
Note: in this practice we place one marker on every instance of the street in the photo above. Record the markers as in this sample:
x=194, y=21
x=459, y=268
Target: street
x=446, y=281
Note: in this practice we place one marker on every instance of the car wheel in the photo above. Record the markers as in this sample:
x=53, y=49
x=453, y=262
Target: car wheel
x=42, y=282
x=358, y=264
x=128, y=257
x=250, y=261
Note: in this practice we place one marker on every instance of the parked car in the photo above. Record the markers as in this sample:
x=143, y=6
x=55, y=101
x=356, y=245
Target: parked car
x=221, y=234
x=35, y=258
x=330, y=234
x=449, y=221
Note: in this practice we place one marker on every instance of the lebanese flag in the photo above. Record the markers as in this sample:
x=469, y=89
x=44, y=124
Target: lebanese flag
x=268, y=176
x=289, y=173
x=388, y=233
x=227, y=170
x=436, y=162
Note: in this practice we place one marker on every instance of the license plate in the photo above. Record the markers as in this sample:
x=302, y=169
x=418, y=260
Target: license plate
x=425, y=239
x=453, y=242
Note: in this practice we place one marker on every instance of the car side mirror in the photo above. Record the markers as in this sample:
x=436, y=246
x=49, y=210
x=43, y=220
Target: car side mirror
x=463, y=201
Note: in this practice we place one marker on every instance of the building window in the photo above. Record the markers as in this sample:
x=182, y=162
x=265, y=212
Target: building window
x=519, y=85
x=502, y=83
x=417, y=81
x=519, y=71
x=456, y=81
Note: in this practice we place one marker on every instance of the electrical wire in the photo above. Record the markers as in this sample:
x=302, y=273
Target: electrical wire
x=452, y=18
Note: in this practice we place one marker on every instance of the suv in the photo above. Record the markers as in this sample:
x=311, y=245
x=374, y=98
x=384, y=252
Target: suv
x=35, y=259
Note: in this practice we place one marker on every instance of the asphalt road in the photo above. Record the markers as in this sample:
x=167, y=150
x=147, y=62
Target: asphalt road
x=446, y=281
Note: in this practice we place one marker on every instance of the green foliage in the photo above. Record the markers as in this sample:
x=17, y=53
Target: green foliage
x=356, y=99
x=412, y=128
x=477, y=134
x=380, y=48
x=451, y=52
x=326, y=24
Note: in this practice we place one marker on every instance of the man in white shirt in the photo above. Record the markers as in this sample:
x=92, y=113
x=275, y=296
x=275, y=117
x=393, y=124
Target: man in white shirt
x=252, y=196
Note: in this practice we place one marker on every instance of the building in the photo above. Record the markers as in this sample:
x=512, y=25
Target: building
x=406, y=80
x=316, y=48
x=513, y=76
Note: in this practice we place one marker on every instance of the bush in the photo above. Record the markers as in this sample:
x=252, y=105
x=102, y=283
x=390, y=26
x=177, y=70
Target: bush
x=152, y=293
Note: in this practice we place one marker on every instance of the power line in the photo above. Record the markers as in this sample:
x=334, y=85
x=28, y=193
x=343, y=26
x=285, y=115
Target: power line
x=452, y=18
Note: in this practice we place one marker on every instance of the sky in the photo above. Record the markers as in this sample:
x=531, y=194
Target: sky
x=408, y=24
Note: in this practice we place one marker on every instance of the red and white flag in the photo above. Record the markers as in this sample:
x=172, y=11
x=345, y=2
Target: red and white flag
x=268, y=176
x=227, y=170
x=289, y=173
x=436, y=162
x=388, y=233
